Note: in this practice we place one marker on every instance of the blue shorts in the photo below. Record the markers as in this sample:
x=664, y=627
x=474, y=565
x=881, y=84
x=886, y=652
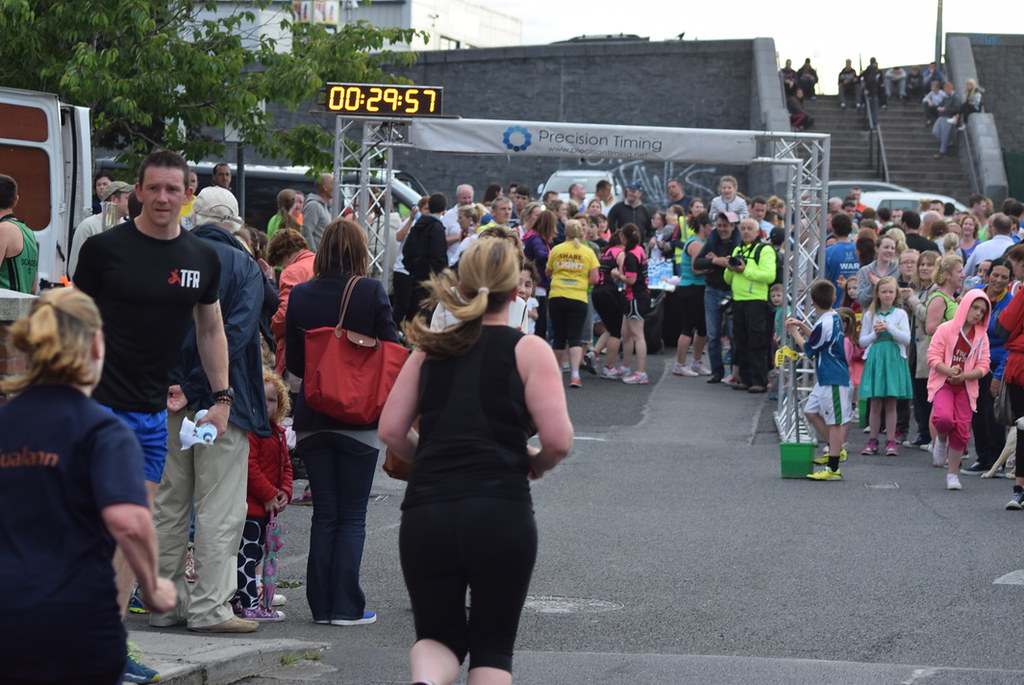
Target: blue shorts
x=151, y=430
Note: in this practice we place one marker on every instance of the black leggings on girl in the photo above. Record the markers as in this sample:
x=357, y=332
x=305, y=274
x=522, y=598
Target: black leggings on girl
x=250, y=554
x=487, y=544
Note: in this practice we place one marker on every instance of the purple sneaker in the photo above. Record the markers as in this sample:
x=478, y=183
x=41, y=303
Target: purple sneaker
x=892, y=448
x=258, y=614
x=871, y=447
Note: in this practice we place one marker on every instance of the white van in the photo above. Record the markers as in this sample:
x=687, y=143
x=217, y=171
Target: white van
x=563, y=178
x=45, y=146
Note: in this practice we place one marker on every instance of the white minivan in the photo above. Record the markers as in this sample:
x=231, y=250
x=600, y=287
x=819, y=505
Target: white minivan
x=563, y=178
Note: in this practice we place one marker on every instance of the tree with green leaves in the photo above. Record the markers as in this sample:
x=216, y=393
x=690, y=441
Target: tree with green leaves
x=168, y=72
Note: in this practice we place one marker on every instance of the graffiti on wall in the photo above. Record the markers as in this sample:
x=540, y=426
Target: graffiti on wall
x=699, y=180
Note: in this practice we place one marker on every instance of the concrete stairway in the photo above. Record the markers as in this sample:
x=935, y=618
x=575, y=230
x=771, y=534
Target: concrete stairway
x=909, y=145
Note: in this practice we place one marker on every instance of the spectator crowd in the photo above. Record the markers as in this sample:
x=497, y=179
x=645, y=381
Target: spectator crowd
x=205, y=321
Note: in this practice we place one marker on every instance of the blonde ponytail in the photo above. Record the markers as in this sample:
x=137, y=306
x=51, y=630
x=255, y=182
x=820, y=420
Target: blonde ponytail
x=56, y=336
x=488, y=277
x=574, y=231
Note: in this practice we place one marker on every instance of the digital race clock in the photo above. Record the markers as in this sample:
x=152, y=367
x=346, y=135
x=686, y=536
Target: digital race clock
x=382, y=100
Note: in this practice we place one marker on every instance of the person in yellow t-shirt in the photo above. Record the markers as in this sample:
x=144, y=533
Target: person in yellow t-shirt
x=572, y=267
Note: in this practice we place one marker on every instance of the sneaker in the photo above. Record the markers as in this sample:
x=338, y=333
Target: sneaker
x=135, y=671
x=892, y=449
x=714, y=379
x=1017, y=501
x=305, y=499
x=565, y=367
x=609, y=372
x=730, y=379
x=136, y=607
x=574, y=382
x=589, y=364
x=232, y=625
x=826, y=474
x=939, y=453
x=871, y=447
x=975, y=469
x=368, y=617
x=190, y=564
x=683, y=370
x=638, y=378
x=823, y=459
x=259, y=614
x=700, y=368
x=953, y=482
x=279, y=599
x=739, y=385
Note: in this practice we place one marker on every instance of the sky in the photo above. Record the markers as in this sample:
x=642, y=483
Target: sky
x=894, y=31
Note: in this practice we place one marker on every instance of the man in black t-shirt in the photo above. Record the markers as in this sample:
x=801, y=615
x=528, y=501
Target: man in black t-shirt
x=632, y=211
x=911, y=224
x=150, y=279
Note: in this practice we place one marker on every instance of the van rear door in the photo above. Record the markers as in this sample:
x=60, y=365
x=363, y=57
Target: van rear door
x=46, y=148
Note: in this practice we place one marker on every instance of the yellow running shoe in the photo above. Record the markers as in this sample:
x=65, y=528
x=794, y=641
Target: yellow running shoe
x=826, y=474
x=823, y=459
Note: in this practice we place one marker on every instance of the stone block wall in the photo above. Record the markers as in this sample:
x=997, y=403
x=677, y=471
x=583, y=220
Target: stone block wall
x=698, y=84
x=998, y=59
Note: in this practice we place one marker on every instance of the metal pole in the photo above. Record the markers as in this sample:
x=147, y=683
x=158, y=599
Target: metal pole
x=339, y=142
x=240, y=174
x=938, y=38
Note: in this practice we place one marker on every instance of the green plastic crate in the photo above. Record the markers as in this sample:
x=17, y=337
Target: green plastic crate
x=796, y=459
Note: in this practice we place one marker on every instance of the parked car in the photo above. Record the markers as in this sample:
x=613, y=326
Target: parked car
x=563, y=178
x=904, y=200
x=841, y=189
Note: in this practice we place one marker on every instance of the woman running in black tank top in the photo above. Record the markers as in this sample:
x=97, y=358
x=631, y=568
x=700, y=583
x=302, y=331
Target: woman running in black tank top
x=481, y=389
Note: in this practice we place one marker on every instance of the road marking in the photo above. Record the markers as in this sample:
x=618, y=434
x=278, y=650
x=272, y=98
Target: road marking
x=586, y=437
x=569, y=605
x=1011, y=578
x=882, y=486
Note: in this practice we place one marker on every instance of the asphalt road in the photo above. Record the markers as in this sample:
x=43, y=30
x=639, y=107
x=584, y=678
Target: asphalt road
x=672, y=552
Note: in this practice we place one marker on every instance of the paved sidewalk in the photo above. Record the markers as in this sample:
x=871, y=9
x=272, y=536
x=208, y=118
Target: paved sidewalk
x=192, y=659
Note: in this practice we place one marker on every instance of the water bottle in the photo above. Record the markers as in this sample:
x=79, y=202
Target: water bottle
x=207, y=432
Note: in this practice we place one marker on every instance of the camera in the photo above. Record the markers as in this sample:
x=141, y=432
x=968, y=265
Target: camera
x=735, y=261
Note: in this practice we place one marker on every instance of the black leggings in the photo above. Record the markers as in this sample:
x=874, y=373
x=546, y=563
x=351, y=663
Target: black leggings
x=489, y=545
x=608, y=305
x=250, y=554
x=567, y=317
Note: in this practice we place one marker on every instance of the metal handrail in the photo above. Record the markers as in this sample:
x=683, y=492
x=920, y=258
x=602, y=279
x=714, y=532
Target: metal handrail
x=975, y=184
x=883, y=158
x=878, y=155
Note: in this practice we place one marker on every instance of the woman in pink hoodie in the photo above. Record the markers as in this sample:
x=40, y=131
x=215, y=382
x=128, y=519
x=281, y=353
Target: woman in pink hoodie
x=957, y=356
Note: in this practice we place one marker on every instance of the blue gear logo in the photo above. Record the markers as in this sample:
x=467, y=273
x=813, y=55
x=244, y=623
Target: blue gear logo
x=517, y=138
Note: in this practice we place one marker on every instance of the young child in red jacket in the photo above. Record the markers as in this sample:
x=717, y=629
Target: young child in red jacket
x=270, y=490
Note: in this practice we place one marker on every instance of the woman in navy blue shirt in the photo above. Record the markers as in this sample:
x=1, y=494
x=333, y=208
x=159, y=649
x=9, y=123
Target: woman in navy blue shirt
x=71, y=483
x=339, y=457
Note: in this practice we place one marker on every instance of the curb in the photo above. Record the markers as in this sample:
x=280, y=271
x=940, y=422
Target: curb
x=184, y=659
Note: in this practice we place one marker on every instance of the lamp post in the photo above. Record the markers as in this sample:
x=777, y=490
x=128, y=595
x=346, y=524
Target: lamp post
x=938, y=38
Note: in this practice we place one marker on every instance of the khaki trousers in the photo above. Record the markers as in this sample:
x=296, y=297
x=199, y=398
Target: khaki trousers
x=214, y=478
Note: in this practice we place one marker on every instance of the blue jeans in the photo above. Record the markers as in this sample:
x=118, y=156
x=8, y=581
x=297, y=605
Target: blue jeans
x=340, y=475
x=719, y=323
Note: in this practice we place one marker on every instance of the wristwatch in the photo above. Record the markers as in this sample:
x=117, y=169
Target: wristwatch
x=226, y=396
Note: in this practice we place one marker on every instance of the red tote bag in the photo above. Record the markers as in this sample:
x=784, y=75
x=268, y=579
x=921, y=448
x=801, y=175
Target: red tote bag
x=349, y=375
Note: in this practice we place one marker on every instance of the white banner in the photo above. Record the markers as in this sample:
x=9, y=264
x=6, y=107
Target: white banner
x=550, y=139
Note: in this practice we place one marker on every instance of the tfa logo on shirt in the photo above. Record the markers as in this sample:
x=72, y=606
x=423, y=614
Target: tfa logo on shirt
x=187, y=278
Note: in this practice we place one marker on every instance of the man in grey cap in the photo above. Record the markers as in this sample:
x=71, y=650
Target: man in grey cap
x=631, y=211
x=114, y=201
